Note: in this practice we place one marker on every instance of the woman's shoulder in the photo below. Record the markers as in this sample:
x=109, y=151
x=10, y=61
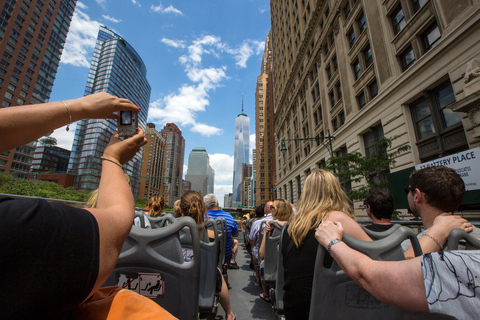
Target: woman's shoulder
x=338, y=216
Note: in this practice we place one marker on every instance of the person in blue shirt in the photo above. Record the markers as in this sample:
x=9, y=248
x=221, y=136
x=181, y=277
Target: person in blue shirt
x=215, y=212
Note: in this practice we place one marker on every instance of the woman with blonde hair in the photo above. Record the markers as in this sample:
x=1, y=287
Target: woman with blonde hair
x=192, y=205
x=176, y=209
x=156, y=205
x=322, y=199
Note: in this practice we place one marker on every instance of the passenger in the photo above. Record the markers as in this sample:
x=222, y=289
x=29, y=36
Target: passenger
x=192, y=205
x=322, y=199
x=156, y=205
x=380, y=206
x=443, y=282
x=434, y=191
x=215, y=212
x=294, y=209
x=282, y=213
x=74, y=250
x=176, y=209
x=256, y=230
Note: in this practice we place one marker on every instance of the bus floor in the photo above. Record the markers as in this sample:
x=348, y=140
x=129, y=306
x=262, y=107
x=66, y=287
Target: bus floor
x=244, y=295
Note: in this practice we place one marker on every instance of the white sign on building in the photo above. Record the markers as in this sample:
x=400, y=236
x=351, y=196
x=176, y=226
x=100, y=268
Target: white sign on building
x=465, y=163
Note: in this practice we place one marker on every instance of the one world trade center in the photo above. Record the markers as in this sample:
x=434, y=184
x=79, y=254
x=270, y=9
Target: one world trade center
x=241, y=154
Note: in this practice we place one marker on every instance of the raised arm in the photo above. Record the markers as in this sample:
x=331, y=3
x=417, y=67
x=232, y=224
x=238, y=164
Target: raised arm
x=115, y=206
x=385, y=280
x=23, y=124
x=437, y=235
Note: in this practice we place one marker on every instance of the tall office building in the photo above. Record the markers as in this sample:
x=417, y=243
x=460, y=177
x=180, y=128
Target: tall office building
x=175, y=145
x=118, y=69
x=264, y=129
x=240, y=155
x=152, y=174
x=32, y=35
x=366, y=69
x=199, y=172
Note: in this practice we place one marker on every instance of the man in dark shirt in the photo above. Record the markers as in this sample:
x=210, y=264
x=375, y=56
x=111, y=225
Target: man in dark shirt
x=380, y=208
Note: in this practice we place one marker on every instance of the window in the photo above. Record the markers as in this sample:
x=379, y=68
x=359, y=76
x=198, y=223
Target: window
x=361, y=100
x=356, y=69
x=373, y=88
x=331, y=95
x=407, y=58
x=398, y=20
x=367, y=54
x=370, y=138
x=338, y=86
x=431, y=37
x=347, y=10
x=351, y=38
x=417, y=4
x=8, y=95
x=362, y=24
x=329, y=72
x=335, y=63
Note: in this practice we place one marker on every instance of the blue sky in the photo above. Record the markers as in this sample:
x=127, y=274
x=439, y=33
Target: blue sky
x=201, y=55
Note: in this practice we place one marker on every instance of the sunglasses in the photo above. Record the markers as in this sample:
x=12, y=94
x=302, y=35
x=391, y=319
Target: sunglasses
x=408, y=189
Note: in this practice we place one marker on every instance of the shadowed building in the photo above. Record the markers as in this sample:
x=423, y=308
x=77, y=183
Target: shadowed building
x=199, y=172
x=175, y=150
x=32, y=36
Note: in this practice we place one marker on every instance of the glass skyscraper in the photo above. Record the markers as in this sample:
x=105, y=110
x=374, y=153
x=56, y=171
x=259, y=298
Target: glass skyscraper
x=241, y=155
x=116, y=68
x=199, y=172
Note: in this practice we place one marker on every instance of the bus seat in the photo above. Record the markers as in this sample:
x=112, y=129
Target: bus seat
x=376, y=235
x=139, y=214
x=271, y=254
x=162, y=220
x=221, y=229
x=152, y=264
x=336, y=296
x=469, y=243
x=276, y=294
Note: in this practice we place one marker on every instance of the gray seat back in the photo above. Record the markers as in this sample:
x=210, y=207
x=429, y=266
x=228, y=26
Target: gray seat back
x=152, y=264
x=272, y=246
x=139, y=214
x=277, y=293
x=336, y=296
x=209, y=251
x=469, y=243
x=221, y=229
x=376, y=235
x=162, y=220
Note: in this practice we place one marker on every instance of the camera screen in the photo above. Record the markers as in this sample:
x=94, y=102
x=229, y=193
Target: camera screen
x=125, y=117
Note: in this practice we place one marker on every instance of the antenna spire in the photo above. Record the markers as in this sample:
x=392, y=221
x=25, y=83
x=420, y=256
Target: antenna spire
x=242, y=102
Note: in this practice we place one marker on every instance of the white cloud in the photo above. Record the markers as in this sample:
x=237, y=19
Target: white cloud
x=81, y=39
x=169, y=9
x=64, y=137
x=137, y=3
x=102, y=3
x=206, y=130
x=174, y=43
x=185, y=168
x=111, y=19
x=223, y=166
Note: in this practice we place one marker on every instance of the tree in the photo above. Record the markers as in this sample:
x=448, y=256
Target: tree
x=354, y=167
x=48, y=141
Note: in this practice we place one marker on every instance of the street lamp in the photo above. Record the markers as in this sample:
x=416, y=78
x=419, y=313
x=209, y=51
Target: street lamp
x=322, y=139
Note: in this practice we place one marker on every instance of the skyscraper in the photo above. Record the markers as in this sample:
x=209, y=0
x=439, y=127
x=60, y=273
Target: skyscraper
x=240, y=155
x=152, y=177
x=199, y=172
x=32, y=35
x=116, y=68
x=264, y=129
x=175, y=145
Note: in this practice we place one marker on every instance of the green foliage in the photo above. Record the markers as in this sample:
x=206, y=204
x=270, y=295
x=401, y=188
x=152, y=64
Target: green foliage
x=42, y=189
x=354, y=167
x=48, y=141
x=140, y=203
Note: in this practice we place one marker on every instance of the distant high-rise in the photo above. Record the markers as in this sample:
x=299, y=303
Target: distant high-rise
x=264, y=130
x=175, y=145
x=152, y=176
x=241, y=154
x=116, y=68
x=50, y=159
x=199, y=172
x=32, y=35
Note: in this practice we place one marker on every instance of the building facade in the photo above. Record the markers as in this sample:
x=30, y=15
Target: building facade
x=175, y=150
x=247, y=185
x=265, y=129
x=32, y=36
x=364, y=69
x=199, y=172
x=240, y=154
x=50, y=159
x=118, y=69
x=152, y=175
x=227, y=200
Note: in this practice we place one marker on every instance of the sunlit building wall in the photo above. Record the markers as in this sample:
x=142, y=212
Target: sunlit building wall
x=118, y=69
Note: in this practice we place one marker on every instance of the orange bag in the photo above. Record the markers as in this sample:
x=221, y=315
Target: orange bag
x=116, y=303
